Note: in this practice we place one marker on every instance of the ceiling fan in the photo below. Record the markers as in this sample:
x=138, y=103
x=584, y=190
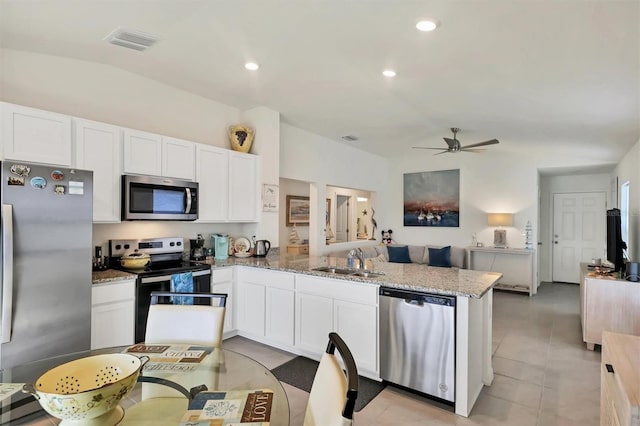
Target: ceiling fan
x=454, y=144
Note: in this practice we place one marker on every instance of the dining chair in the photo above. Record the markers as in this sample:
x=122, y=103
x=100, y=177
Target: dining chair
x=334, y=391
x=196, y=324
x=185, y=324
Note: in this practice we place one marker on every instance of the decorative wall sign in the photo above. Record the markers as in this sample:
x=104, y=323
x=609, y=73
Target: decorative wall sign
x=269, y=198
x=297, y=210
x=432, y=198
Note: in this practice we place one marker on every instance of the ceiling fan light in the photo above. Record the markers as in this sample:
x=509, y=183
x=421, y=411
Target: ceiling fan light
x=427, y=25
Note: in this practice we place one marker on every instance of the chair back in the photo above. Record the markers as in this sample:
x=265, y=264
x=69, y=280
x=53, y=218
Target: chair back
x=333, y=394
x=196, y=324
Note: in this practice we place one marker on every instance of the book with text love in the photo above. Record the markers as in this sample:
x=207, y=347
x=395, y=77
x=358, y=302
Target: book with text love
x=236, y=407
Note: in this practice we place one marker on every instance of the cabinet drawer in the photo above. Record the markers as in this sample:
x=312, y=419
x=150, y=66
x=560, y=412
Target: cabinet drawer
x=221, y=275
x=113, y=292
x=338, y=289
x=266, y=277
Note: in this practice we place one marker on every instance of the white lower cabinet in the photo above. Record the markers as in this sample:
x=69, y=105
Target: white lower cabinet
x=222, y=282
x=265, y=305
x=348, y=308
x=113, y=314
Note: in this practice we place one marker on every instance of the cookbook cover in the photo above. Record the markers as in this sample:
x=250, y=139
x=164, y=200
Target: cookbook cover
x=245, y=407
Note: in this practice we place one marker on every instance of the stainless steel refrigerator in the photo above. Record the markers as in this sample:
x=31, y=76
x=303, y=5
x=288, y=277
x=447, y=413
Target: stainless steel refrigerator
x=46, y=261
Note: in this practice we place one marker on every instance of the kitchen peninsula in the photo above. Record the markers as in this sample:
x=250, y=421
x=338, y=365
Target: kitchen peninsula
x=282, y=301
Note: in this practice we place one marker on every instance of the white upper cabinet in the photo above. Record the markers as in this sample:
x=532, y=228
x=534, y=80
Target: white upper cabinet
x=177, y=158
x=156, y=155
x=243, y=187
x=30, y=134
x=142, y=153
x=98, y=147
x=212, y=174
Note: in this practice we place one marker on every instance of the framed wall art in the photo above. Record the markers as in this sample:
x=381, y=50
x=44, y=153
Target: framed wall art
x=432, y=198
x=297, y=210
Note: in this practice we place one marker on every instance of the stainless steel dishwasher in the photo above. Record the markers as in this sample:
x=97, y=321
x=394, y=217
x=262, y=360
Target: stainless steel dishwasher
x=417, y=341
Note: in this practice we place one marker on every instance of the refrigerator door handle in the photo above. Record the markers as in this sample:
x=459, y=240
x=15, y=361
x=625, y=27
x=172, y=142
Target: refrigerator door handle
x=7, y=274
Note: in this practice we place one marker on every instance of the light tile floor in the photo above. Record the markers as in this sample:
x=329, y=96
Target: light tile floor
x=543, y=373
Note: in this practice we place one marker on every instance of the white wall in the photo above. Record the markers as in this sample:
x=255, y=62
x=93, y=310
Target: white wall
x=549, y=185
x=307, y=157
x=627, y=171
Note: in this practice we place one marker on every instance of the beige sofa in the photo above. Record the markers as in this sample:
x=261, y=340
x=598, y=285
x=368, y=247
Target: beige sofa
x=417, y=254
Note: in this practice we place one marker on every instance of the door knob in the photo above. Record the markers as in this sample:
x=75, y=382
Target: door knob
x=555, y=242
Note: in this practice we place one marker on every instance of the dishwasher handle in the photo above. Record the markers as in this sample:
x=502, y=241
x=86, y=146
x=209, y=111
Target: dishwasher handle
x=418, y=298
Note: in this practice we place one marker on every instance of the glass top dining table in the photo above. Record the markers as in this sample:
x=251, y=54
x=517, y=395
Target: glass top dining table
x=152, y=403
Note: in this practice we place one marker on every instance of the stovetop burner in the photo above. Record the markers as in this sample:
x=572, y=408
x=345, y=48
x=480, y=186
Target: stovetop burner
x=166, y=256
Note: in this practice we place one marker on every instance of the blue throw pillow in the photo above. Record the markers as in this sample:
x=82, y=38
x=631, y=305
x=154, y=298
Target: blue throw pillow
x=440, y=257
x=399, y=254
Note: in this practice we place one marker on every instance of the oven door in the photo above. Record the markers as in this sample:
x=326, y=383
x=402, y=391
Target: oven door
x=153, y=198
x=148, y=284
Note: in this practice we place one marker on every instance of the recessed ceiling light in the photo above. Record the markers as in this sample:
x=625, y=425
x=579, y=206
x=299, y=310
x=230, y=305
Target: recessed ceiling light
x=427, y=25
x=251, y=66
x=389, y=73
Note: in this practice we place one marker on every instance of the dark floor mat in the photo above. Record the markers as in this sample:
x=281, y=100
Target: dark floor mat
x=300, y=371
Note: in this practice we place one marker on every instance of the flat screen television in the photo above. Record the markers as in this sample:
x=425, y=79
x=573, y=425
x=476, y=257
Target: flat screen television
x=615, y=245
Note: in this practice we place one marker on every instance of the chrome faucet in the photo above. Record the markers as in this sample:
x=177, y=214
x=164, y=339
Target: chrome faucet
x=360, y=256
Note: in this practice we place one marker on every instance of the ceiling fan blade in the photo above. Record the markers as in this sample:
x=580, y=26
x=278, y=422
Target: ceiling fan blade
x=491, y=142
x=476, y=150
x=450, y=142
x=443, y=152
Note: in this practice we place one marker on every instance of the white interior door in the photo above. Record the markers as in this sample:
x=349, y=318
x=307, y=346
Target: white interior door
x=579, y=227
x=342, y=218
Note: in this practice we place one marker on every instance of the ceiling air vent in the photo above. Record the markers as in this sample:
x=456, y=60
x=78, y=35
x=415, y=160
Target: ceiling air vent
x=349, y=138
x=131, y=39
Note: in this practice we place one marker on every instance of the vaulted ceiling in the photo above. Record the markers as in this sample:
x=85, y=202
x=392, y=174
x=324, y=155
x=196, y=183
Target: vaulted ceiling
x=548, y=73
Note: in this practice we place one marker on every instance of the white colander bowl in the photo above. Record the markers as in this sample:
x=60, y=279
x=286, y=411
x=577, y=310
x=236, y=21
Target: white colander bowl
x=87, y=391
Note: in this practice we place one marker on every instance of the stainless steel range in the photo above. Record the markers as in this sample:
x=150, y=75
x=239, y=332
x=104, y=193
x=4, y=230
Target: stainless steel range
x=166, y=260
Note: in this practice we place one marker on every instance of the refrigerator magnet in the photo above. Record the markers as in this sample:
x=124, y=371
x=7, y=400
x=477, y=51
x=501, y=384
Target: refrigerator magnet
x=15, y=181
x=59, y=189
x=20, y=170
x=38, y=182
x=76, y=187
x=57, y=175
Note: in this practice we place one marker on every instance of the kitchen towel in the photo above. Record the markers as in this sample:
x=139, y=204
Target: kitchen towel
x=182, y=283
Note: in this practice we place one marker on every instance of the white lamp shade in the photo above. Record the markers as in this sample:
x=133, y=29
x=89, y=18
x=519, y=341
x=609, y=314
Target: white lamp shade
x=500, y=219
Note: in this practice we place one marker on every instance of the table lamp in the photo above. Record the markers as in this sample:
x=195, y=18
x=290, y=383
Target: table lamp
x=500, y=235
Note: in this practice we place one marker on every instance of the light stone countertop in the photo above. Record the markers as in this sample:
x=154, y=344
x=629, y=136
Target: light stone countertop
x=407, y=276
x=110, y=275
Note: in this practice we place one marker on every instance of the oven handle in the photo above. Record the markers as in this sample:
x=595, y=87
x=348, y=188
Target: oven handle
x=168, y=277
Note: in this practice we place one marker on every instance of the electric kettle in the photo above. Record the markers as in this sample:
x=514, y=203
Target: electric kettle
x=262, y=248
x=220, y=246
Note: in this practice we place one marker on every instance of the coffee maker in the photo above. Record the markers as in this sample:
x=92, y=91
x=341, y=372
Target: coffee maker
x=198, y=252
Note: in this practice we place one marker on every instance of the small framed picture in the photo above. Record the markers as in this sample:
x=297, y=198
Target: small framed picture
x=500, y=238
x=297, y=210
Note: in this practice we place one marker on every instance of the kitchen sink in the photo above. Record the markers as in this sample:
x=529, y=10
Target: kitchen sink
x=346, y=271
x=334, y=270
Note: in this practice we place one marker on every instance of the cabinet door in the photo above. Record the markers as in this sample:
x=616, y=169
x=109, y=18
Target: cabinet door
x=99, y=148
x=251, y=304
x=212, y=175
x=314, y=322
x=34, y=135
x=178, y=157
x=142, y=153
x=357, y=325
x=243, y=187
x=112, y=324
x=280, y=315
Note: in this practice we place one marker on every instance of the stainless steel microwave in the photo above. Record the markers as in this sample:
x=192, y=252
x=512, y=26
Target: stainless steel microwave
x=157, y=198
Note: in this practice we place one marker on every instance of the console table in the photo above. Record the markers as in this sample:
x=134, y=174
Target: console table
x=515, y=264
x=607, y=304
